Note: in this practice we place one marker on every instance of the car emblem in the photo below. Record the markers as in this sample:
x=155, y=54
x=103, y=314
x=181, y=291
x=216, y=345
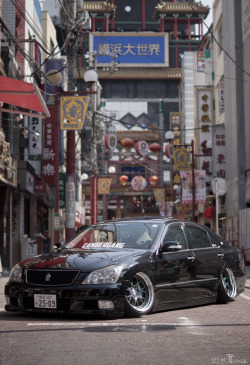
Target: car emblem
x=47, y=277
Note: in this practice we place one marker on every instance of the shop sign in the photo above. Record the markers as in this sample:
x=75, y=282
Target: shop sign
x=205, y=122
x=131, y=49
x=73, y=112
x=62, y=190
x=35, y=138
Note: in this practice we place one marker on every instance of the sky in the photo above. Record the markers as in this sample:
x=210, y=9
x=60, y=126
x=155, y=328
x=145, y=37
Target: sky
x=209, y=19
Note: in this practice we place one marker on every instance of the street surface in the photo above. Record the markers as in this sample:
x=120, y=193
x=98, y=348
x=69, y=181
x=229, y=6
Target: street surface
x=212, y=334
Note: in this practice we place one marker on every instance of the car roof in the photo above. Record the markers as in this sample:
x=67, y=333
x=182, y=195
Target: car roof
x=141, y=219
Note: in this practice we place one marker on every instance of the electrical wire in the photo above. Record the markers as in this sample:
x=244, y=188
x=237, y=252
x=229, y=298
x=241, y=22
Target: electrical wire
x=220, y=46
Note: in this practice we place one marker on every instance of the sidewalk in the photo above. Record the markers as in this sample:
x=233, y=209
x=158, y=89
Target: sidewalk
x=4, y=280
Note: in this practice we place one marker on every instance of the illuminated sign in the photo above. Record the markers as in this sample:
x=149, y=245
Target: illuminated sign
x=130, y=49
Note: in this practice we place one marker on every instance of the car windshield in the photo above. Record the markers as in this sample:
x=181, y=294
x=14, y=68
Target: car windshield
x=136, y=235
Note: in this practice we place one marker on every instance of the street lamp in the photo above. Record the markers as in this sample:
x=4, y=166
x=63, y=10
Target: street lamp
x=90, y=77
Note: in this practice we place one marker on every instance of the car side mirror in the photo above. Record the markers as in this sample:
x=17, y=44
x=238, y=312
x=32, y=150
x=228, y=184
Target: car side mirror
x=171, y=246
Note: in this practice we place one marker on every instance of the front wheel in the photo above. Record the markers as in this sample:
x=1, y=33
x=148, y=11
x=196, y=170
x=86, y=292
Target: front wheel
x=227, y=289
x=139, y=297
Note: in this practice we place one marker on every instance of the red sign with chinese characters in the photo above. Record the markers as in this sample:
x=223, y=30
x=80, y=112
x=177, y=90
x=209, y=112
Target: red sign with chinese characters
x=51, y=147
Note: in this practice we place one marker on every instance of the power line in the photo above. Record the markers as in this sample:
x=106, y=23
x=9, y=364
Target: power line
x=226, y=53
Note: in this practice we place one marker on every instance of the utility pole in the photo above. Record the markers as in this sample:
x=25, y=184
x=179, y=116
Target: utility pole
x=70, y=160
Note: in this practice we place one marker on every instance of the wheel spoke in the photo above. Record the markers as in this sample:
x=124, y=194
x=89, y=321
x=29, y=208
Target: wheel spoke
x=140, y=293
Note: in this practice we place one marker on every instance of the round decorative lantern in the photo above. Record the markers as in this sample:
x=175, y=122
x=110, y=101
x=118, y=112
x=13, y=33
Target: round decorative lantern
x=155, y=148
x=142, y=148
x=127, y=143
x=110, y=141
x=169, y=150
x=153, y=180
x=138, y=183
x=123, y=179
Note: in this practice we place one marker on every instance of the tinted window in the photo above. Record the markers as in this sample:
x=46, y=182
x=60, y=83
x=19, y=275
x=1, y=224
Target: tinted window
x=137, y=235
x=197, y=237
x=175, y=233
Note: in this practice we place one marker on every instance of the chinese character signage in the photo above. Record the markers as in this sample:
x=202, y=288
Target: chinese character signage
x=35, y=138
x=219, y=151
x=73, y=111
x=205, y=122
x=51, y=147
x=130, y=49
x=200, y=61
x=62, y=190
x=175, y=125
x=221, y=96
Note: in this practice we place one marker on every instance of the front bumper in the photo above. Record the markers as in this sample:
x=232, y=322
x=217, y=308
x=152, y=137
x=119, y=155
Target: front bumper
x=74, y=299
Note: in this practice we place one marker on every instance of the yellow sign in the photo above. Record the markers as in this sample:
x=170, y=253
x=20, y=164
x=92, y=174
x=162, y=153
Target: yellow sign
x=104, y=185
x=73, y=111
x=182, y=159
x=159, y=195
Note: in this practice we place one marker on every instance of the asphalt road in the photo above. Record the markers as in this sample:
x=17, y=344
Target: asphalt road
x=212, y=334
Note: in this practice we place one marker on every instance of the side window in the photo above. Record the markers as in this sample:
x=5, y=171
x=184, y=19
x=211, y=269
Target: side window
x=197, y=237
x=175, y=233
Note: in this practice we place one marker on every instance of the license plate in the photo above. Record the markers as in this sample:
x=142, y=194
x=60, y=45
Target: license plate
x=45, y=301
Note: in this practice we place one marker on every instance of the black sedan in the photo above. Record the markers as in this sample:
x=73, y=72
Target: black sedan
x=131, y=267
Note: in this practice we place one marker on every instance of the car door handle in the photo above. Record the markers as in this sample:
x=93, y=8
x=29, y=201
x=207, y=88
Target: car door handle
x=191, y=258
x=221, y=254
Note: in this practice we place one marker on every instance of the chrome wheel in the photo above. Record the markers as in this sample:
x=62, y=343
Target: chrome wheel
x=229, y=283
x=227, y=289
x=139, y=294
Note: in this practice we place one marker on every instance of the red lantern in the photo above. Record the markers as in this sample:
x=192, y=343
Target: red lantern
x=155, y=147
x=142, y=148
x=153, y=180
x=127, y=143
x=123, y=179
x=169, y=150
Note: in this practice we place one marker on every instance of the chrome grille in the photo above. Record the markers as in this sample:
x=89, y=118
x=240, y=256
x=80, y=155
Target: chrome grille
x=51, y=277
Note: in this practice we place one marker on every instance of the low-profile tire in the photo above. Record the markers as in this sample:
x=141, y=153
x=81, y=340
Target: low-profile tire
x=227, y=289
x=139, y=296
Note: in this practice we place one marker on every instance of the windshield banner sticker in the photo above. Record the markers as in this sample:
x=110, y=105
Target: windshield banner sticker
x=103, y=245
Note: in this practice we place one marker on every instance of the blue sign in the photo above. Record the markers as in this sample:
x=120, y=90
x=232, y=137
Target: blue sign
x=130, y=49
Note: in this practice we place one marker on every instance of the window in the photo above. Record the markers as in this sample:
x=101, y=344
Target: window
x=197, y=237
x=175, y=233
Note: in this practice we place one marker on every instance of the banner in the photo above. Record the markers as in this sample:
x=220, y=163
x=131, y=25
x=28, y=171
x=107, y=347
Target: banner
x=73, y=111
x=182, y=158
x=200, y=186
x=159, y=195
x=104, y=185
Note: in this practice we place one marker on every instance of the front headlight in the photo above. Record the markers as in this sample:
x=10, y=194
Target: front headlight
x=108, y=275
x=16, y=274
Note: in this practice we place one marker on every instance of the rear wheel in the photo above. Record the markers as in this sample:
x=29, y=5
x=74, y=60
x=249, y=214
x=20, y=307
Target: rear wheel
x=227, y=289
x=139, y=297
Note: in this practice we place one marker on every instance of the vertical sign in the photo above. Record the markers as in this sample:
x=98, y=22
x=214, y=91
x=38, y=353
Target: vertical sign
x=200, y=61
x=62, y=190
x=35, y=138
x=70, y=204
x=205, y=121
x=175, y=124
x=221, y=97
x=51, y=147
x=219, y=150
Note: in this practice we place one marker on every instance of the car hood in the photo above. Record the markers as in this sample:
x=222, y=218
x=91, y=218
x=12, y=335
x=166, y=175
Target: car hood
x=85, y=261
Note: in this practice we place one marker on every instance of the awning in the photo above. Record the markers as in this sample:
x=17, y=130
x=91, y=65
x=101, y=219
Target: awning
x=24, y=95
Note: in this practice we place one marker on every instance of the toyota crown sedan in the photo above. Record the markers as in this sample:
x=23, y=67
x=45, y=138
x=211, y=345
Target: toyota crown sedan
x=129, y=267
